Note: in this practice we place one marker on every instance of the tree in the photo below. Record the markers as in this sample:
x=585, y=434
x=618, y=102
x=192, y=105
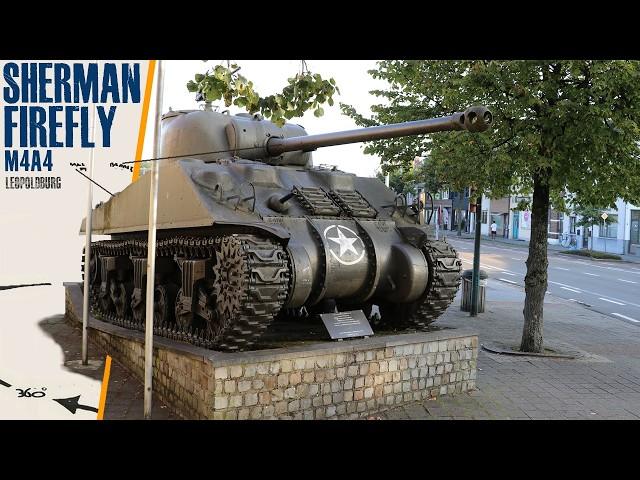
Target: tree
x=406, y=179
x=304, y=91
x=590, y=216
x=558, y=126
x=400, y=180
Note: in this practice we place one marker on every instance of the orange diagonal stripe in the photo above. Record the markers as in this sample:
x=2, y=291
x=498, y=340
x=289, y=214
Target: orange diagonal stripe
x=143, y=119
x=105, y=387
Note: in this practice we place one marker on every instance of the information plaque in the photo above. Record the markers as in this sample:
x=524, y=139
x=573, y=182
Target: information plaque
x=347, y=324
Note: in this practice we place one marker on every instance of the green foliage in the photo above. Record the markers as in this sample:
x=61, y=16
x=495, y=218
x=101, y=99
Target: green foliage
x=572, y=124
x=590, y=216
x=406, y=179
x=592, y=254
x=305, y=91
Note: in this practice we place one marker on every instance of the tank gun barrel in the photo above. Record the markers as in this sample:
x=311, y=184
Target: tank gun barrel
x=474, y=119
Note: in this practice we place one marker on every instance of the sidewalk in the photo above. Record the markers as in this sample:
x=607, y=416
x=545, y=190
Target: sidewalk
x=125, y=398
x=486, y=240
x=603, y=382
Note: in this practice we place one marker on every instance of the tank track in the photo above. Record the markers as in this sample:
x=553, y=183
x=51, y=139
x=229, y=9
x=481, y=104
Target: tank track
x=444, y=280
x=260, y=271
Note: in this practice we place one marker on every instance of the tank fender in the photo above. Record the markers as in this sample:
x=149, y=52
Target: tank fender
x=270, y=229
x=413, y=235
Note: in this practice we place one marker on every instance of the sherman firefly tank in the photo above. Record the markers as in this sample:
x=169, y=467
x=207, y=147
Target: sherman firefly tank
x=248, y=228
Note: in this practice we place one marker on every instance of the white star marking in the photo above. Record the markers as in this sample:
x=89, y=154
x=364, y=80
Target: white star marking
x=346, y=244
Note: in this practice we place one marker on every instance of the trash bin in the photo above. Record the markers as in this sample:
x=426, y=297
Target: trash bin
x=467, y=279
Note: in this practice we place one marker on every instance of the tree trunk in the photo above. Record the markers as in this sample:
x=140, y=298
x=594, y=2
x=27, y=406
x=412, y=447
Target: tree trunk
x=537, y=263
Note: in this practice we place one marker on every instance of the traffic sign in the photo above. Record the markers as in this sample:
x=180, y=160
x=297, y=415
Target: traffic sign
x=604, y=216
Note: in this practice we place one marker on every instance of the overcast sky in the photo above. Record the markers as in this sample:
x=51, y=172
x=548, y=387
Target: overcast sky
x=270, y=76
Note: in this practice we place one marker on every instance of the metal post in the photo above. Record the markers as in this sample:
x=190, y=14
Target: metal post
x=151, y=255
x=475, y=281
x=87, y=248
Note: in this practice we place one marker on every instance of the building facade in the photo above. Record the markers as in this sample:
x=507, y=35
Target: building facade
x=620, y=235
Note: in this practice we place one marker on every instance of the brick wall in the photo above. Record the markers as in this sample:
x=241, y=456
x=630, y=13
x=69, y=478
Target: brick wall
x=345, y=385
x=349, y=379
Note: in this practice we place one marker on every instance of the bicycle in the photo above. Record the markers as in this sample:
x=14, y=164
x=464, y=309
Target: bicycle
x=568, y=240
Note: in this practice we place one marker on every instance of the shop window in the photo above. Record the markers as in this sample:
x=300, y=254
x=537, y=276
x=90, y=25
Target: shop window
x=555, y=224
x=610, y=228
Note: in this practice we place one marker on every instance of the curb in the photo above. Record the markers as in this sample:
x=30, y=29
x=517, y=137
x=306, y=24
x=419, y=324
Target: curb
x=501, y=351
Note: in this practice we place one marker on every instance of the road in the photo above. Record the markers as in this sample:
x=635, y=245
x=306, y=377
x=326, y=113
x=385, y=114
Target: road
x=608, y=287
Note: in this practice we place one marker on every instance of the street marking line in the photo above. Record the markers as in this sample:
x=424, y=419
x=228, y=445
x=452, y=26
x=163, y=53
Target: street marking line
x=490, y=267
x=508, y=281
x=514, y=258
x=625, y=317
x=611, y=301
x=571, y=290
x=592, y=274
x=581, y=262
x=584, y=290
x=509, y=273
x=104, y=387
x=562, y=284
x=626, y=281
x=500, y=269
x=560, y=268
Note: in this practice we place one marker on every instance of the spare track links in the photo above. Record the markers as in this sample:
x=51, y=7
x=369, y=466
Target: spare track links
x=218, y=292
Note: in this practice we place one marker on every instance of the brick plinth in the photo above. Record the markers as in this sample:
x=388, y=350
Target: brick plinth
x=349, y=379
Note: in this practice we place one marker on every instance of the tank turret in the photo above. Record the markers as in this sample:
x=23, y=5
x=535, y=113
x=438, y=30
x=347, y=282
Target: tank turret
x=252, y=137
x=249, y=231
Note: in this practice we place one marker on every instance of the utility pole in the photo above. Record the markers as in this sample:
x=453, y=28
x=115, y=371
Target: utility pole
x=88, y=228
x=460, y=199
x=475, y=280
x=151, y=251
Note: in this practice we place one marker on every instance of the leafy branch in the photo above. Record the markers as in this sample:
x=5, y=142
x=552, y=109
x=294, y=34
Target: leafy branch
x=305, y=91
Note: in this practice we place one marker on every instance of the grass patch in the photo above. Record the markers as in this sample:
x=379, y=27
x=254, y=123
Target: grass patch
x=592, y=254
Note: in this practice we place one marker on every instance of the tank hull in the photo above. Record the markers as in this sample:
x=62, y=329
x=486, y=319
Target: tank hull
x=340, y=247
